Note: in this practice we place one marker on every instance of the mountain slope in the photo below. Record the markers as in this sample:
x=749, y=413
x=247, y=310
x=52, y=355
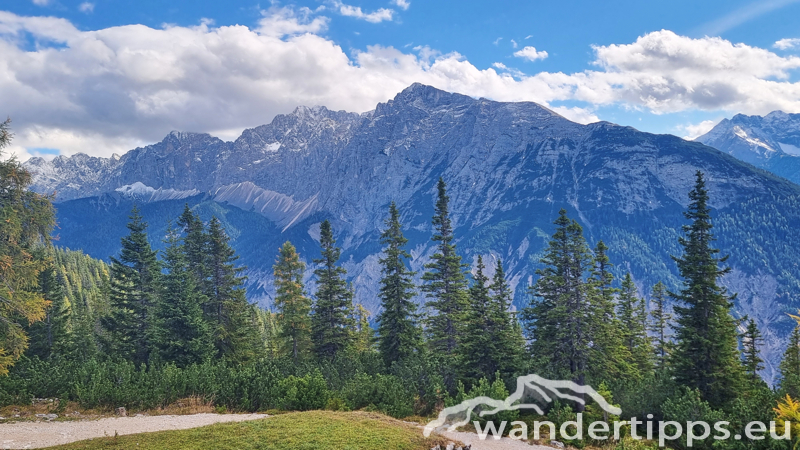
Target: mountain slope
x=509, y=167
x=771, y=142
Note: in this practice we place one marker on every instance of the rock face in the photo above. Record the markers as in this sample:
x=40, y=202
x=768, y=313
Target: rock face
x=509, y=168
x=771, y=142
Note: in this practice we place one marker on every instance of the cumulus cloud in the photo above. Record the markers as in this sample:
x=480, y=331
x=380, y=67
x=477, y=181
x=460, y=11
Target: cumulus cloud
x=402, y=4
x=693, y=131
x=380, y=15
x=530, y=54
x=786, y=44
x=112, y=89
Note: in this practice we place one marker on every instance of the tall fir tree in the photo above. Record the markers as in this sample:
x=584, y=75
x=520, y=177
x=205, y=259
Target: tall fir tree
x=562, y=320
x=660, y=325
x=331, y=320
x=398, y=333
x=134, y=284
x=180, y=333
x=611, y=358
x=232, y=318
x=292, y=304
x=510, y=344
x=752, y=340
x=478, y=356
x=790, y=366
x=445, y=282
x=53, y=336
x=195, y=246
x=633, y=320
x=706, y=354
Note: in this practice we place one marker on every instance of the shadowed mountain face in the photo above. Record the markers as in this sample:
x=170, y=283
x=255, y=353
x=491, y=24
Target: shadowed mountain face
x=771, y=142
x=509, y=168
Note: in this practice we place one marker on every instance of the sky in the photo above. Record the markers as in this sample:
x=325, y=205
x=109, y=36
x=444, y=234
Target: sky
x=104, y=76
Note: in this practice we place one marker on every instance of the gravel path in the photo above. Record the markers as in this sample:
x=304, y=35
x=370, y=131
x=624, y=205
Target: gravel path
x=45, y=434
x=490, y=443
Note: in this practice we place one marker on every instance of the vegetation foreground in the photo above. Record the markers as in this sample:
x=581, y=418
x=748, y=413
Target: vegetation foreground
x=301, y=430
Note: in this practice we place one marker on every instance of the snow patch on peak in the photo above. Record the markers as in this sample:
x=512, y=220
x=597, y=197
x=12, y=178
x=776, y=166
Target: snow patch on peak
x=141, y=191
x=738, y=131
x=273, y=147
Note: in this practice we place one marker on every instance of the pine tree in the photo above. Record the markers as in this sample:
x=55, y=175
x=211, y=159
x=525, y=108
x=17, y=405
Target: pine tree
x=233, y=319
x=633, y=320
x=611, y=358
x=510, y=344
x=195, y=246
x=363, y=335
x=477, y=350
x=134, y=283
x=790, y=366
x=659, y=325
x=398, y=334
x=26, y=220
x=706, y=355
x=752, y=340
x=180, y=333
x=562, y=320
x=294, y=322
x=331, y=321
x=446, y=283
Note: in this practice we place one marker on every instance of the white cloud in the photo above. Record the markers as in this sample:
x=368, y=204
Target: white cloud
x=41, y=2
x=528, y=37
x=86, y=7
x=530, y=54
x=514, y=43
x=380, y=15
x=109, y=90
x=497, y=41
x=402, y=4
x=786, y=44
x=287, y=21
x=692, y=131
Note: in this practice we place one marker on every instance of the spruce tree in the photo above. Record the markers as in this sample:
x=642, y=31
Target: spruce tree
x=790, y=366
x=633, y=320
x=293, y=320
x=134, y=284
x=562, y=319
x=331, y=321
x=195, y=246
x=611, y=358
x=660, y=325
x=706, y=354
x=510, y=344
x=180, y=333
x=53, y=336
x=233, y=319
x=752, y=340
x=398, y=334
x=445, y=282
x=478, y=347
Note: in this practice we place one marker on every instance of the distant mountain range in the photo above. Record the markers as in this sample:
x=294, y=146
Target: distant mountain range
x=771, y=142
x=509, y=168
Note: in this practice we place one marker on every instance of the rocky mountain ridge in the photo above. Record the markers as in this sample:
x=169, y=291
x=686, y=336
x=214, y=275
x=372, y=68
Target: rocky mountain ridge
x=509, y=168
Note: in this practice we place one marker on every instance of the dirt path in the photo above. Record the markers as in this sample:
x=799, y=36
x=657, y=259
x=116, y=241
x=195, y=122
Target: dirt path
x=45, y=434
x=490, y=443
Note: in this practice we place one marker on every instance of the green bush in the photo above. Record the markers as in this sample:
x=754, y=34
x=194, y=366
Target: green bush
x=383, y=393
x=304, y=393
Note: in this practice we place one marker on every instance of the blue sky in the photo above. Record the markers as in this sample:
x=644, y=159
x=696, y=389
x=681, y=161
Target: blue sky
x=102, y=76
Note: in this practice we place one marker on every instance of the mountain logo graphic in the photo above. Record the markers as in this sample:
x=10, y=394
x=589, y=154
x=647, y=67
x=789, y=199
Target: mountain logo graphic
x=529, y=387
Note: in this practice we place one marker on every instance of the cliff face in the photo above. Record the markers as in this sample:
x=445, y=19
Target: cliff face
x=509, y=168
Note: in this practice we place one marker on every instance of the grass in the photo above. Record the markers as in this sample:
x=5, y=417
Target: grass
x=295, y=431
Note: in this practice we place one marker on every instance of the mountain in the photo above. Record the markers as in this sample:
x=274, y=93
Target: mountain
x=771, y=142
x=509, y=168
